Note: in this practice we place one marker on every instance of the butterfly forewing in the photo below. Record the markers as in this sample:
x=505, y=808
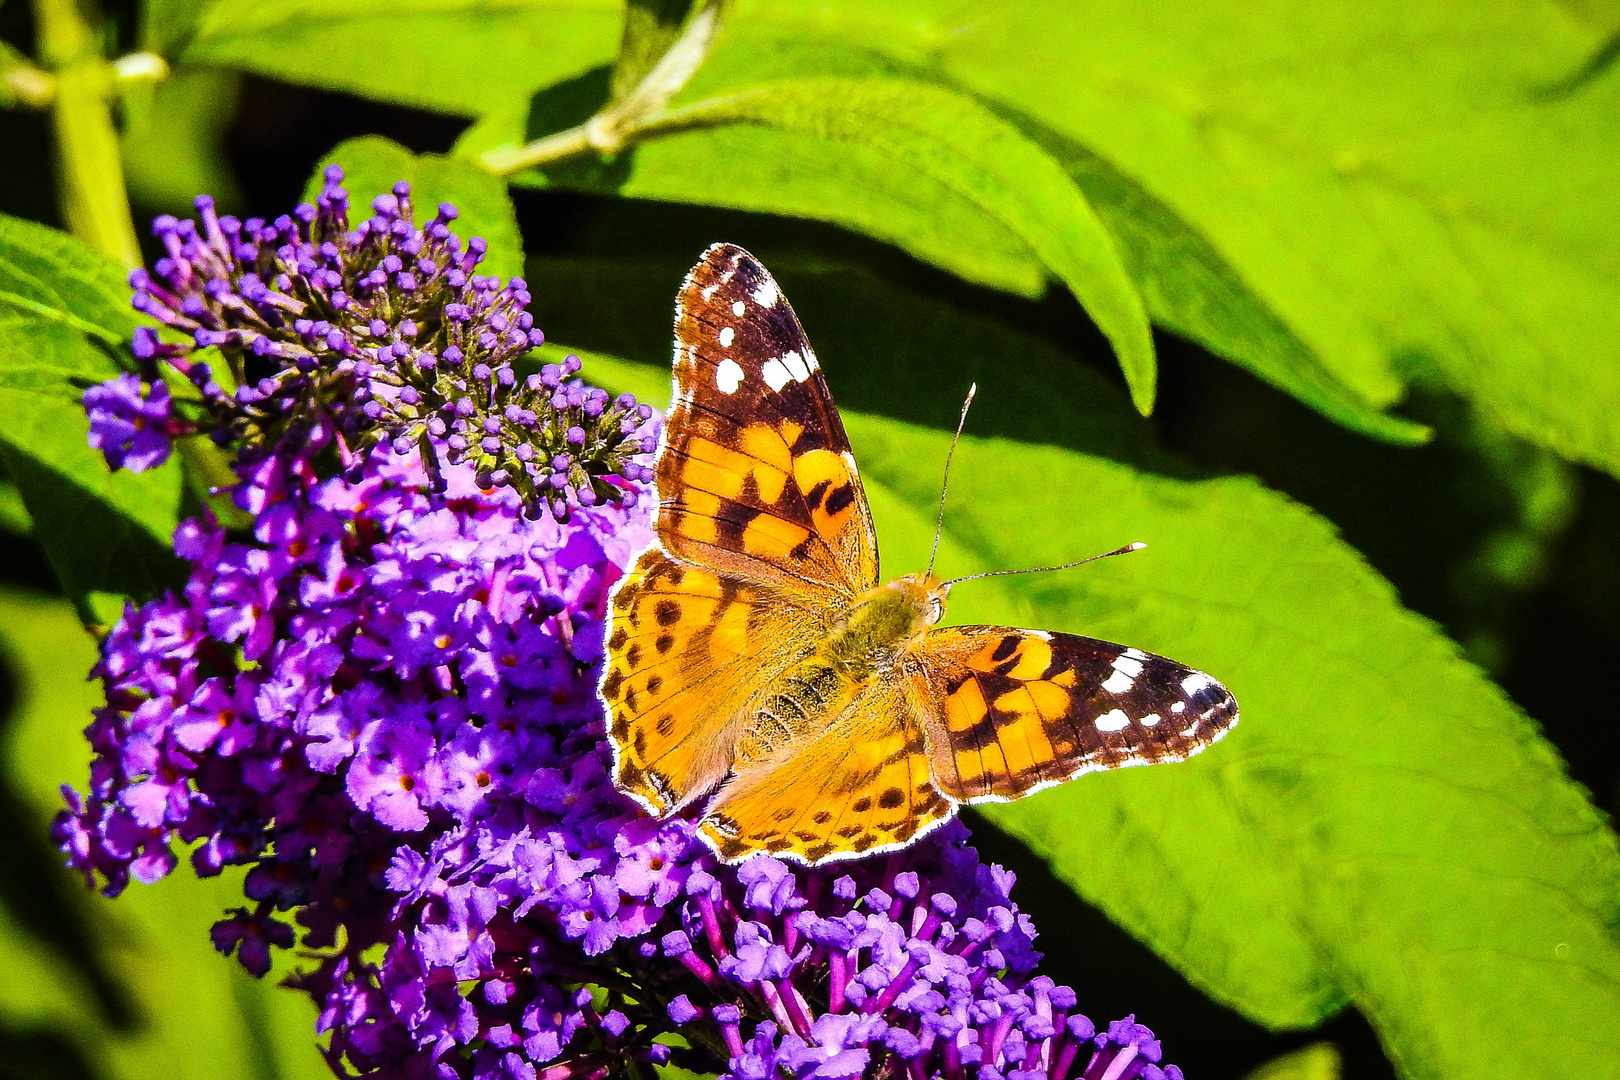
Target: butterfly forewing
x=754, y=474
x=1009, y=711
x=678, y=634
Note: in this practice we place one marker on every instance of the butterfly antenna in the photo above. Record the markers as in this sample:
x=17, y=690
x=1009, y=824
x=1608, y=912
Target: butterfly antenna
x=944, y=484
x=1138, y=546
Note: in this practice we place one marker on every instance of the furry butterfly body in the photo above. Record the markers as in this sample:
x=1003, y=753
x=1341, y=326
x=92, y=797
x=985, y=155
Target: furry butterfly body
x=755, y=658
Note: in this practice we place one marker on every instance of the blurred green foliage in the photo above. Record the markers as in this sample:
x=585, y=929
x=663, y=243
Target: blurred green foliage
x=1400, y=215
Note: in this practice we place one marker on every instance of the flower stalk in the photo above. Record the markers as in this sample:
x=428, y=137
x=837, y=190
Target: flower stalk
x=94, y=200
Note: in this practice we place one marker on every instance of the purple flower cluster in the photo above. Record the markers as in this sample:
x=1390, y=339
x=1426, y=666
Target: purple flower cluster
x=383, y=333
x=382, y=703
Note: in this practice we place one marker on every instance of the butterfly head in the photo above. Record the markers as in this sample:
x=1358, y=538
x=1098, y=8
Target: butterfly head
x=926, y=596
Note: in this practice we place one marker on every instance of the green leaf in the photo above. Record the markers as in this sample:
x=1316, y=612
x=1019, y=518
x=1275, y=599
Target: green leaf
x=1384, y=828
x=1185, y=284
x=650, y=28
x=1318, y=1062
x=372, y=165
x=1188, y=287
x=48, y=276
x=1405, y=186
x=118, y=983
x=101, y=531
x=14, y=517
x=63, y=310
x=773, y=171
x=64, y=313
x=173, y=140
x=454, y=56
x=966, y=148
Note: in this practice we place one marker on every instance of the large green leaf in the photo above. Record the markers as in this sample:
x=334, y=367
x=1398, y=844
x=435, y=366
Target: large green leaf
x=102, y=531
x=46, y=276
x=457, y=56
x=1190, y=288
x=772, y=170
x=885, y=154
x=372, y=165
x=965, y=148
x=1402, y=184
x=1383, y=828
x=1184, y=282
x=63, y=312
x=119, y=984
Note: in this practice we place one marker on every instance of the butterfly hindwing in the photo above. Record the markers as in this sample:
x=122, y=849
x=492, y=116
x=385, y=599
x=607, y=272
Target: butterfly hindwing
x=1009, y=711
x=860, y=786
x=754, y=472
x=677, y=636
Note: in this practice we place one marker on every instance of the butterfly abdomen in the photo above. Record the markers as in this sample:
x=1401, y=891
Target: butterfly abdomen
x=808, y=699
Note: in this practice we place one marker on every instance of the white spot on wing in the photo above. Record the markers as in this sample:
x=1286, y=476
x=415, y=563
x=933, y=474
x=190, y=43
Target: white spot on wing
x=728, y=376
x=726, y=336
x=810, y=359
x=1150, y=719
x=795, y=365
x=767, y=295
x=738, y=307
x=776, y=376
x=1127, y=665
x=1178, y=707
x=1196, y=682
x=707, y=291
x=1113, y=720
x=1118, y=682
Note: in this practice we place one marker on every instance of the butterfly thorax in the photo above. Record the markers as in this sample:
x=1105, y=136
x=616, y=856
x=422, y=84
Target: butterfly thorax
x=861, y=647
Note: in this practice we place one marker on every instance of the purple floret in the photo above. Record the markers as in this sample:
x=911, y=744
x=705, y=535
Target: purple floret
x=132, y=423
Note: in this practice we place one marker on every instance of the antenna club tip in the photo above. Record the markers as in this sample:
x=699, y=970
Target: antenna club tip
x=973, y=388
x=1136, y=546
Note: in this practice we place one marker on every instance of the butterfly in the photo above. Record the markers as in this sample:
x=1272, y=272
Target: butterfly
x=755, y=657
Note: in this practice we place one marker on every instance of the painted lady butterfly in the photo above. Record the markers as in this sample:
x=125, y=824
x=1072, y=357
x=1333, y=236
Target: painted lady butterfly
x=754, y=652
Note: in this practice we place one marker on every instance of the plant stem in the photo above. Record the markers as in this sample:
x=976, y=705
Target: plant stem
x=94, y=200
x=617, y=125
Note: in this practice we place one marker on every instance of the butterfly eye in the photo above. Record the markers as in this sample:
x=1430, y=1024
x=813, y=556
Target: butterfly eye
x=936, y=609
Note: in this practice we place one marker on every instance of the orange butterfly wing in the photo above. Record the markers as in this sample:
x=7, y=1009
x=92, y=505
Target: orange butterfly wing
x=754, y=472
x=764, y=535
x=678, y=636
x=1008, y=712
x=859, y=787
